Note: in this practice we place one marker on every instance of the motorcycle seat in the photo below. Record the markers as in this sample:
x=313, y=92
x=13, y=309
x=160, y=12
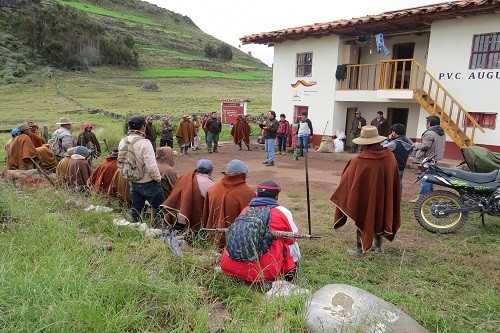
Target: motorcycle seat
x=480, y=178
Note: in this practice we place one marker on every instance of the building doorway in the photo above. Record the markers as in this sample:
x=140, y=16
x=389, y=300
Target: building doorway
x=349, y=118
x=403, y=68
x=397, y=115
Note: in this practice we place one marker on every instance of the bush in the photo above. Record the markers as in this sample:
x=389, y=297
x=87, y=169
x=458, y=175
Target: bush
x=225, y=52
x=210, y=51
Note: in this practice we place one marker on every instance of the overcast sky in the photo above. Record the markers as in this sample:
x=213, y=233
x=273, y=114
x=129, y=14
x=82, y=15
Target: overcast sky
x=228, y=20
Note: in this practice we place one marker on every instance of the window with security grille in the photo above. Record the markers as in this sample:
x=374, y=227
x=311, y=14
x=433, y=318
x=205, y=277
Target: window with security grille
x=485, y=52
x=485, y=119
x=304, y=64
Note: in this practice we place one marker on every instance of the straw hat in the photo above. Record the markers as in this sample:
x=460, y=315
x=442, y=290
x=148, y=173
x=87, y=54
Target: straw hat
x=64, y=121
x=186, y=116
x=23, y=127
x=369, y=136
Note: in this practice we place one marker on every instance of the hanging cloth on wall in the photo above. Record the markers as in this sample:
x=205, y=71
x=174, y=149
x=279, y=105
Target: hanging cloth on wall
x=379, y=38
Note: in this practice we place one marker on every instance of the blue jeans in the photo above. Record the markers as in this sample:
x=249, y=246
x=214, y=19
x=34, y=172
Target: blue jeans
x=303, y=144
x=401, y=174
x=269, y=145
x=425, y=187
x=281, y=142
x=212, y=138
x=150, y=191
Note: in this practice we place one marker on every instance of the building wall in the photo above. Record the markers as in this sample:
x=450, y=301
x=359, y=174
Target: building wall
x=448, y=60
x=319, y=97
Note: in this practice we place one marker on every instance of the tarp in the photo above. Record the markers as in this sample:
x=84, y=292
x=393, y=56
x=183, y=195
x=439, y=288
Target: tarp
x=480, y=159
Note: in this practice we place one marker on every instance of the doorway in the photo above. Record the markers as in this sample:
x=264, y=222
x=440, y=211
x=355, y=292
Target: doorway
x=349, y=118
x=397, y=115
x=403, y=68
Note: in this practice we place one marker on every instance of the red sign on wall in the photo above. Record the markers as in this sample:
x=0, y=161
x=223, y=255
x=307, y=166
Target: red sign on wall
x=231, y=111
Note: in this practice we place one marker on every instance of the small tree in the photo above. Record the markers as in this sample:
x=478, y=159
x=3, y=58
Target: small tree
x=225, y=52
x=210, y=51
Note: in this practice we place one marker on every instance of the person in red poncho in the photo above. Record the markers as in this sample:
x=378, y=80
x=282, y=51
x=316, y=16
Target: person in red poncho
x=241, y=132
x=101, y=177
x=283, y=253
x=369, y=193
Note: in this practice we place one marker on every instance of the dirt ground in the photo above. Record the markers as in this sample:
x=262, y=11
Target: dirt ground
x=324, y=170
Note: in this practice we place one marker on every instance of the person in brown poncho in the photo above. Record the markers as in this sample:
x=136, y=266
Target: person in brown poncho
x=38, y=141
x=241, y=132
x=22, y=151
x=62, y=166
x=185, y=134
x=369, y=193
x=100, y=179
x=226, y=199
x=119, y=188
x=79, y=170
x=183, y=208
x=165, y=162
x=48, y=160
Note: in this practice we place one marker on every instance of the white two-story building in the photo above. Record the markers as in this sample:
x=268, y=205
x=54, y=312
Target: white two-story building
x=441, y=59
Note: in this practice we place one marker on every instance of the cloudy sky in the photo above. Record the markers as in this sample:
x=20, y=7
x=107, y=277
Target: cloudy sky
x=228, y=20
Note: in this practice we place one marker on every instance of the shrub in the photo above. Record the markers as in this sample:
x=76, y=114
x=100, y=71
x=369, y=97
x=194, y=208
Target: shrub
x=210, y=51
x=225, y=52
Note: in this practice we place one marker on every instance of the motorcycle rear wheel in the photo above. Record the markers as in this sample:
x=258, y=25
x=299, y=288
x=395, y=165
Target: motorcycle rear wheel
x=427, y=212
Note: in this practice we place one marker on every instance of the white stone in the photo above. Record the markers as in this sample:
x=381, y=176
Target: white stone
x=282, y=288
x=344, y=308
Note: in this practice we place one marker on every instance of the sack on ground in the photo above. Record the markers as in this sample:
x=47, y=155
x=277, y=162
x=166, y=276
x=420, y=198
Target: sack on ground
x=249, y=237
x=338, y=145
x=340, y=134
x=131, y=168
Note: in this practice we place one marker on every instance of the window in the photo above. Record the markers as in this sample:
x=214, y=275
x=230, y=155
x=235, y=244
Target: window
x=485, y=52
x=304, y=64
x=485, y=119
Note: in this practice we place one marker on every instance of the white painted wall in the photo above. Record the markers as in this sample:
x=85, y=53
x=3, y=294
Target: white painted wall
x=449, y=53
x=320, y=97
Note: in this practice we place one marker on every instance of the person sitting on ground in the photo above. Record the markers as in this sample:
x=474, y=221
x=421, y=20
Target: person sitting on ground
x=183, y=209
x=241, y=132
x=119, y=188
x=22, y=154
x=369, y=193
x=165, y=162
x=79, y=171
x=88, y=139
x=62, y=166
x=48, y=160
x=100, y=179
x=15, y=132
x=38, y=141
x=226, y=199
x=283, y=253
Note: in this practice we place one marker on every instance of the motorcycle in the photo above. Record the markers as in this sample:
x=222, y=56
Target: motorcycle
x=445, y=212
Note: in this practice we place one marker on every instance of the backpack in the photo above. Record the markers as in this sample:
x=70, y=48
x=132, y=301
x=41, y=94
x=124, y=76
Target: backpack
x=55, y=143
x=249, y=237
x=130, y=167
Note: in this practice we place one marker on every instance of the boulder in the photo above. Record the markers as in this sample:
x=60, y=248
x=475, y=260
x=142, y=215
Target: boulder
x=344, y=308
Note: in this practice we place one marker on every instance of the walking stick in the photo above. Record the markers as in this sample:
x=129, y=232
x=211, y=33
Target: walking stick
x=202, y=234
x=307, y=193
x=39, y=168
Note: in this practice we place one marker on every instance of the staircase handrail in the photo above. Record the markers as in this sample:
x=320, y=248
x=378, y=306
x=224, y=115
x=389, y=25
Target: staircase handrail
x=421, y=67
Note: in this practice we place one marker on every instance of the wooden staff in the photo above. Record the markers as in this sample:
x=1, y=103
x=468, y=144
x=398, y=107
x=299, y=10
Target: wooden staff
x=276, y=234
x=39, y=168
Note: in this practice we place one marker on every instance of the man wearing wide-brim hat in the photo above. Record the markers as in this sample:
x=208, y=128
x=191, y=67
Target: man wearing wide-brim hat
x=38, y=141
x=369, y=193
x=63, y=138
x=22, y=151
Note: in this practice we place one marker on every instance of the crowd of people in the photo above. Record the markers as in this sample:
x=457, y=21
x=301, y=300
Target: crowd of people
x=141, y=175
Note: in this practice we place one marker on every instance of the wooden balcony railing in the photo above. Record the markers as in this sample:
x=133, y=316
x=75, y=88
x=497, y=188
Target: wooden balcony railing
x=409, y=74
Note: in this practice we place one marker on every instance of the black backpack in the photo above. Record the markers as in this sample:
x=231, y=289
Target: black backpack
x=249, y=237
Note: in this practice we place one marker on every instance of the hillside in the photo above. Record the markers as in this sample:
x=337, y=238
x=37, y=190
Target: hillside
x=129, y=33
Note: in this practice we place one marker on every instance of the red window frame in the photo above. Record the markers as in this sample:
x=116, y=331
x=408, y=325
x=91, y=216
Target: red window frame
x=485, y=119
x=485, y=51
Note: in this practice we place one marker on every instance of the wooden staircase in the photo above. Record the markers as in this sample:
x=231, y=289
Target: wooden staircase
x=409, y=74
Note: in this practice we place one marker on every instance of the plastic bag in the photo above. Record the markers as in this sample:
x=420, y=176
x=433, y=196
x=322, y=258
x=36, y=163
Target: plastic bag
x=340, y=134
x=338, y=145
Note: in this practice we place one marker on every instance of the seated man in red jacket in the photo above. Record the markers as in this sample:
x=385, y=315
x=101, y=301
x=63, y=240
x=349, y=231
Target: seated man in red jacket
x=283, y=253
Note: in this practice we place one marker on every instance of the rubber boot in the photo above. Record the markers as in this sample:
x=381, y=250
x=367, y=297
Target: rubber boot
x=359, y=245
x=239, y=145
x=377, y=243
x=248, y=146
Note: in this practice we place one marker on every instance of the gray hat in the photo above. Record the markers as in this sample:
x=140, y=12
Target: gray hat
x=205, y=164
x=236, y=167
x=81, y=150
